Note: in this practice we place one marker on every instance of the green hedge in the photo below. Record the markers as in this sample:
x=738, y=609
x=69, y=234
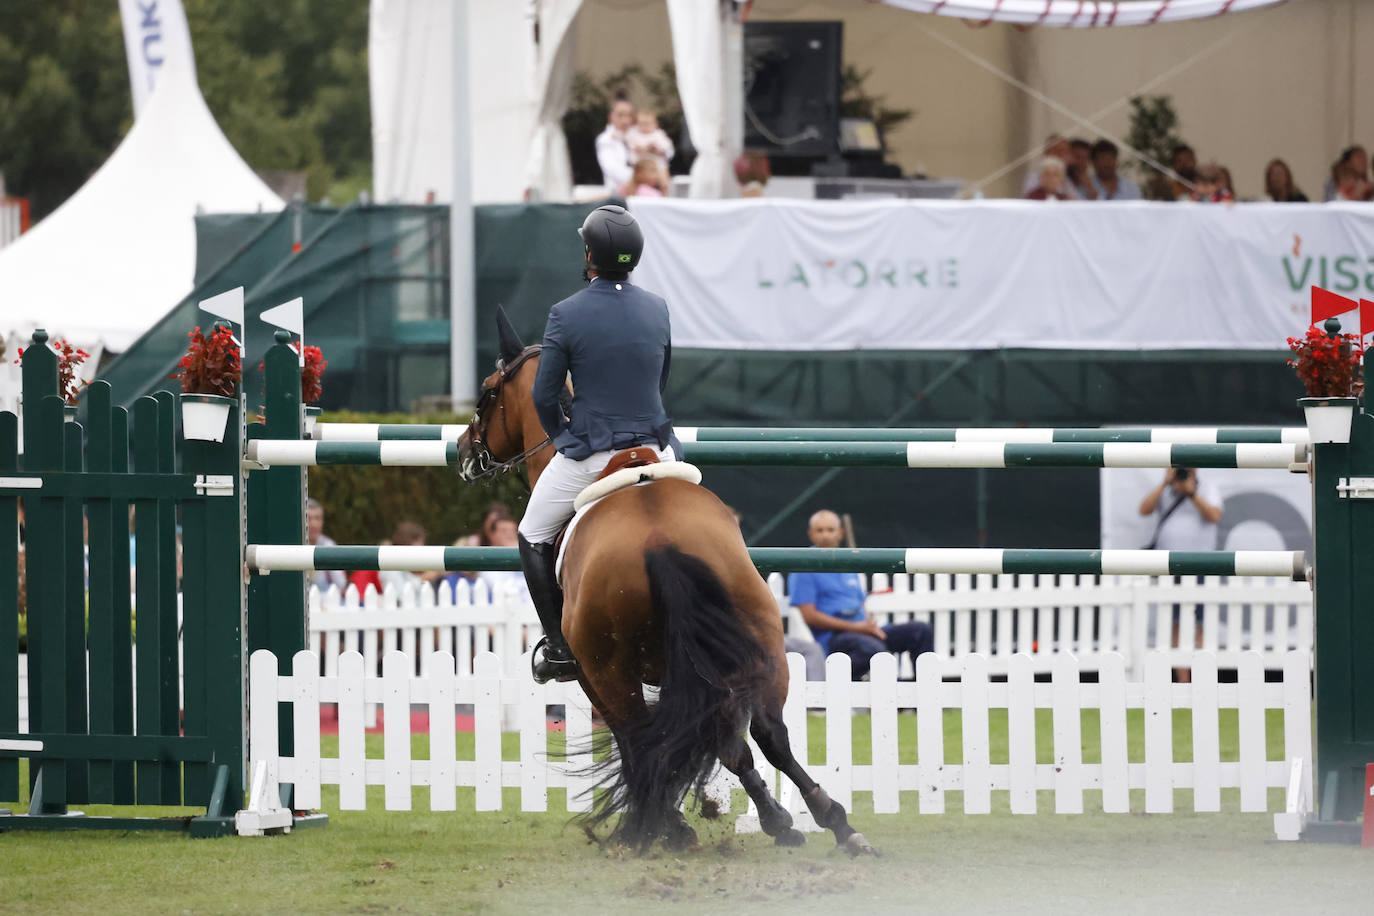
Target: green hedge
x=363, y=504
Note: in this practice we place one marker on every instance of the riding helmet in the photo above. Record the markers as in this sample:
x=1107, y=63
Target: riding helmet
x=613, y=239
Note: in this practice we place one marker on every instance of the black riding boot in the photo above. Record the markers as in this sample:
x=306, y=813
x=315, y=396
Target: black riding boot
x=552, y=659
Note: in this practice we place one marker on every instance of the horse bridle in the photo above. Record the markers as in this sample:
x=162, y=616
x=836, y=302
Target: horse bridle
x=477, y=426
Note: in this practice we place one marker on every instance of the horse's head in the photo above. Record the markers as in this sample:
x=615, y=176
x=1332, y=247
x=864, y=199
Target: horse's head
x=503, y=430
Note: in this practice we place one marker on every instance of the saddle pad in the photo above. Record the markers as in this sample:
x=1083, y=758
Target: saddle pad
x=628, y=477
x=636, y=476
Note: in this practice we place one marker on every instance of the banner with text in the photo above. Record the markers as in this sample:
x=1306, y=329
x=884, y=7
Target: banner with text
x=155, y=35
x=767, y=274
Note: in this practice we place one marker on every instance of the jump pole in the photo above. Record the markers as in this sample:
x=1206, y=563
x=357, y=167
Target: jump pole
x=1198, y=435
x=1291, y=564
x=438, y=453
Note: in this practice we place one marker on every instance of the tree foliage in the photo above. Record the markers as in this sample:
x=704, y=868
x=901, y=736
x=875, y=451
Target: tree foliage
x=1154, y=131
x=64, y=95
x=287, y=82
x=856, y=102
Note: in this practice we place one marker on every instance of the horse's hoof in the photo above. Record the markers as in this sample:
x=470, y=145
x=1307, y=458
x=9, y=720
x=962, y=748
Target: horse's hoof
x=856, y=846
x=680, y=838
x=789, y=837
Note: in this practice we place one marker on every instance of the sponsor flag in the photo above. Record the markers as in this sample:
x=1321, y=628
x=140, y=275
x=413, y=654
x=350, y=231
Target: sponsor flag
x=155, y=35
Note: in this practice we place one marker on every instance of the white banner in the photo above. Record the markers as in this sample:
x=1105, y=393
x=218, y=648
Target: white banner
x=767, y=274
x=1260, y=510
x=155, y=32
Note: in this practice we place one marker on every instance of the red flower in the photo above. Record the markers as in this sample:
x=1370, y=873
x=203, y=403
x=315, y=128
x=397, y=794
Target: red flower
x=1329, y=366
x=311, y=373
x=211, y=365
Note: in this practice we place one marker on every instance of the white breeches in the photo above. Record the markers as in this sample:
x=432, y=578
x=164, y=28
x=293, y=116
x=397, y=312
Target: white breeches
x=551, y=502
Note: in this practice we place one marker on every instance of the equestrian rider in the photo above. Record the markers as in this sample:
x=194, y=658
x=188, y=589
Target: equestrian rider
x=614, y=340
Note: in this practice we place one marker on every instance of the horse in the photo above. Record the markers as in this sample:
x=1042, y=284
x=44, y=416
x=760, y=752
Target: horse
x=659, y=589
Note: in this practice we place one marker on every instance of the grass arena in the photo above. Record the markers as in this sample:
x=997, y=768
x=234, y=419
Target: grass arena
x=1014, y=791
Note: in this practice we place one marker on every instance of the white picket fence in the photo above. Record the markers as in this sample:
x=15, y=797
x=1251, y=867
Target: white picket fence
x=995, y=616
x=1093, y=615
x=978, y=699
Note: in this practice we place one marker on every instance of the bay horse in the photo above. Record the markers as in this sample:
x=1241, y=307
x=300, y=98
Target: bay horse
x=659, y=589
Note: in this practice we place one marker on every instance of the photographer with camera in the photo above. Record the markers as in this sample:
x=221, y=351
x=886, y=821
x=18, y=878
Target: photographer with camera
x=1188, y=515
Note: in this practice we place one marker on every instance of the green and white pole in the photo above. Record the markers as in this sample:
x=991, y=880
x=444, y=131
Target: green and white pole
x=1285, y=456
x=915, y=560
x=1195, y=435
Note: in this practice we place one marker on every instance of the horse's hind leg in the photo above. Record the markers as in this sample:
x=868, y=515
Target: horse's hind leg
x=773, y=817
x=771, y=734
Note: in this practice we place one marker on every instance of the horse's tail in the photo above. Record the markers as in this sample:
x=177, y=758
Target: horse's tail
x=712, y=667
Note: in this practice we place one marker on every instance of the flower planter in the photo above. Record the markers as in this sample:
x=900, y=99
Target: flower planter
x=204, y=416
x=1328, y=419
x=311, y=415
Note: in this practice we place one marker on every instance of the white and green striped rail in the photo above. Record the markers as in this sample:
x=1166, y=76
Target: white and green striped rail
x=1197, y=435
x=437, y=453
x=1293, y=564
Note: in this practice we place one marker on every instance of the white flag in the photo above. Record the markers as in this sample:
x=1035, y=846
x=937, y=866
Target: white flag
x=155, y=33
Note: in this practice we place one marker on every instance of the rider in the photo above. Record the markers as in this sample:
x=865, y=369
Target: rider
x=614, y=339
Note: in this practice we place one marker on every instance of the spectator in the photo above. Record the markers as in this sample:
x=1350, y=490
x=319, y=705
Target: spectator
x=1226, y=182
x=832, y=604
x=649, y=180
x=1056, y=147
x=1210, y=187
x=314, y=533
x=1052, y=184
x=1079, y=169
x=648, y=141
x=612, y=147
x=1278, y=184
x=1357, y=160
x=363, y=578
x=503, y=581
x=1183, y=161
x=496, y=512
x=1187, y=522
x=752, y=171
x=1108, y=184
x=408, y=534
x=1351, y=185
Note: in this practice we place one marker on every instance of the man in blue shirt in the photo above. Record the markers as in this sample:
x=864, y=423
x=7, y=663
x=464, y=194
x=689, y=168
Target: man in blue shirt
x=832, y=604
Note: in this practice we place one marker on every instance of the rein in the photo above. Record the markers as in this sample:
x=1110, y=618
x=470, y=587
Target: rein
x=478, y=424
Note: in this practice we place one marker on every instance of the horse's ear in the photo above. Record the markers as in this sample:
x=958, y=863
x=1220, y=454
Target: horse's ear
x=511, y=346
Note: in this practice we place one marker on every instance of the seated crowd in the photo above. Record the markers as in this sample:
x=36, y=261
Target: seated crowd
x=1074, y=169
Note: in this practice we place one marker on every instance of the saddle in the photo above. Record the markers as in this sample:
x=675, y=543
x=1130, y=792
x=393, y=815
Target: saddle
x=633, y=466
x=627, y=468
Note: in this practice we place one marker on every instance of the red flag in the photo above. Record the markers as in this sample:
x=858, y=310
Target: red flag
x=1366, y=318
x=1326, y=304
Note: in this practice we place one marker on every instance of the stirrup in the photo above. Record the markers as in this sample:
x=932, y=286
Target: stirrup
x=545, y=669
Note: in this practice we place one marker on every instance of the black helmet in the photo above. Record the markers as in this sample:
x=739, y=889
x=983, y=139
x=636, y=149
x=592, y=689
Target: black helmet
x=613, y=239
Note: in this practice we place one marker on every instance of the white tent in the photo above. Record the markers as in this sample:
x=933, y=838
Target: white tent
x=516, y=139
x=121, y=252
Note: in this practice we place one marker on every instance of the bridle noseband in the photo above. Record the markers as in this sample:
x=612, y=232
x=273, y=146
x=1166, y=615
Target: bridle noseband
x=477, y=426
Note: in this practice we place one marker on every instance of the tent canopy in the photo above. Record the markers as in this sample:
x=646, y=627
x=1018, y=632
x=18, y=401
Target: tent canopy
x=121, y=252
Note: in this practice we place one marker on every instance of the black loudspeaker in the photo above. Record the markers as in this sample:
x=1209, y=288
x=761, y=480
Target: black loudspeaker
x=792, y=87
